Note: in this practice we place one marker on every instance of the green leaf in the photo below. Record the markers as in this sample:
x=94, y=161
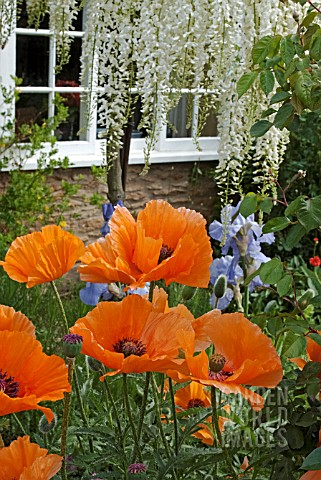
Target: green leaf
x=307, y=419
x=271, y=272
x=249, y=278
x=276, y=224
x=294, y=235
x=293, y=207
x=283, y=115
x=294, y=437
x=308, y=19
x=312, y=461
x=315, y=47
x=302, y=87
x=287, y=50
x=268, y=112
x=248, y=204
x=267, y=81
x=260, y=128
x=294, y=345
x=309, y=213
x=245, y=82
x=265, y=47
x=316, y=337
x=284, y=285
x=279, y=97
x=266, y=205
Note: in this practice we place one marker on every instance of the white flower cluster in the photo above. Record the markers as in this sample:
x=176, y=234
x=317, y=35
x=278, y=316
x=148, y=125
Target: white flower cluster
x=156, y=48
x=7, y=17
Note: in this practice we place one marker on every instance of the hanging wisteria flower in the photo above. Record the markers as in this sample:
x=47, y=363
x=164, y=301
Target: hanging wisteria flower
x=42, y=257
x=164, y=243
x=24, y=460
x=28, y=376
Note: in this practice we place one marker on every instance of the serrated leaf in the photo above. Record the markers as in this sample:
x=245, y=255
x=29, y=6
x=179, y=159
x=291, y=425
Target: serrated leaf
x=287, y=50
x=283, y=115
x=267, y=81
x=272, y=271
x=248, y=204
x=284, y=285
x=245, y=82
x=260, y=128
x=294, y=235
x=292, y=208
x=312, y=461
x=302, y=86
x=294, y=345
x=265, y=47
x=276, y=224
x=279, y=97
x=309, y=213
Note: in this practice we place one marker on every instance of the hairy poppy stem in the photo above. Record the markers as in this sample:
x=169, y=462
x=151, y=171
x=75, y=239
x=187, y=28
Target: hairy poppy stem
x=174, y=414
x=143, y=409
x=110, y=398
x=158, y=417
x=62, y=310
x=130, y=418
x=152, y=286
x=219, y=434
x=82, y=410
x=19, y=424
x=64, y=428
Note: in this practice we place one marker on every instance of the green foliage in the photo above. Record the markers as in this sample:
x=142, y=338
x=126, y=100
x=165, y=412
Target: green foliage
x=27, y=200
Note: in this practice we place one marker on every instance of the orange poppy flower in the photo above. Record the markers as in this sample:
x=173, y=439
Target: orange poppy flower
x=24, y=460
x=15, y=321
x=191, y=396
x=313, y=352
x=205, y=433
x=243, y=356
x=165, y=243
x=28, y=376
x=131, y=336
x=312, y=475
x=41, y=257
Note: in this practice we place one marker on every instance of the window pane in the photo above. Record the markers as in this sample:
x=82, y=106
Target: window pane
x=179, y=117
x=31, y=108
x=70, y=73
x=69, y=129
x=22, y=18
x=32, y=60
x=210, y=127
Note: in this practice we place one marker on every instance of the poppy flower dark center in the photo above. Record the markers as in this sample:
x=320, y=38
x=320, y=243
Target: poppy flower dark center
x=8, y=385
x=130, y=346
x=165, y=252
x=195, y=403
x=219, y=376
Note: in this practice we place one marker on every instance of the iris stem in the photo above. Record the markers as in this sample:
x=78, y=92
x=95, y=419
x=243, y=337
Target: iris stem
x=130, y=418
x=171, y=390
x=62, y=310
x=219, y=434
x=246, y=289
x=143, y=409
x=81, y=409
x=64, y=428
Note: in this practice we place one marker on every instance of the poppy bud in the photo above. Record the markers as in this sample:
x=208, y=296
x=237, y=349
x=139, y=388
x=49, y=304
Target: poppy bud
x=188, y=292
x=217, y=362
x=71, y=345
x=220, y=286
x=137, y=468
x=44, y=426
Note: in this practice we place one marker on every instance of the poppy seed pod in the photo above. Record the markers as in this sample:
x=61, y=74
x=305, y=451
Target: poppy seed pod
x=71, y=345
x=220, y=286
x=217, y=362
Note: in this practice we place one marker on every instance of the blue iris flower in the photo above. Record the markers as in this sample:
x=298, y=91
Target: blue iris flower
x=108, y=210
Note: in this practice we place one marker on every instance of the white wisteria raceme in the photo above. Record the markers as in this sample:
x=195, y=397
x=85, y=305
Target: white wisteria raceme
x=7, y=17
x=156, y=48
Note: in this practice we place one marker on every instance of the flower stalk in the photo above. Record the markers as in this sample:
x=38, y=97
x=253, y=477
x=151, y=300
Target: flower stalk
x=130, y=418
x=62, y=310
x=64, y=428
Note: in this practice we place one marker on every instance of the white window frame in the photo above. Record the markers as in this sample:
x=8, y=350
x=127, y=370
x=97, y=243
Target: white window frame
x=88, y=152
